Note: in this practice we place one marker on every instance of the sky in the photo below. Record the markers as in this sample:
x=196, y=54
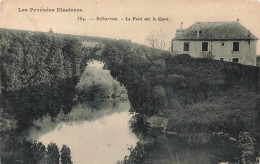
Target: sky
x=177, y=11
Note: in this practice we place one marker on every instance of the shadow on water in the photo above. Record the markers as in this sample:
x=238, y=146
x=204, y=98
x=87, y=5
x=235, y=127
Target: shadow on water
x=173, y=149
x=88, y=111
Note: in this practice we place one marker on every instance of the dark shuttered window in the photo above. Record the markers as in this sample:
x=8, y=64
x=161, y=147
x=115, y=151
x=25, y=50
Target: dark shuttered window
x=235, y=60
x=235, y=46
x=205, y=46
x=186, y=46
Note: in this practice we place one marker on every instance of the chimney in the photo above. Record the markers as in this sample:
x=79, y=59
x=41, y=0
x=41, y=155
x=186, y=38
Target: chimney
x=198, y=34
x=248, y=34
x=198, y=30
x=179, y=31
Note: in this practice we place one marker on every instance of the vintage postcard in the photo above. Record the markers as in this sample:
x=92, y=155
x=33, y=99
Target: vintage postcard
x=129, y=82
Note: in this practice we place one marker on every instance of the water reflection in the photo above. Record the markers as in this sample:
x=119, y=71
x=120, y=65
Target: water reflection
x=102, y=137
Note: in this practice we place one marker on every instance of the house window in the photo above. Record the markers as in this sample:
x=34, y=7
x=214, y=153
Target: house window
x=235, y=60
x=235, y=46
x=205, y=46
x=222, y=44
x=221, y=59
x=186, y=46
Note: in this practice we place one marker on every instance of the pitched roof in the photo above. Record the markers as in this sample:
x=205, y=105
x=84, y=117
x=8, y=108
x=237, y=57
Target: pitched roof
x=216, y=31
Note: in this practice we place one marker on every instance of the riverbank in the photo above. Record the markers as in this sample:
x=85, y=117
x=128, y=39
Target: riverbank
x=171, y=148
x=194, y=141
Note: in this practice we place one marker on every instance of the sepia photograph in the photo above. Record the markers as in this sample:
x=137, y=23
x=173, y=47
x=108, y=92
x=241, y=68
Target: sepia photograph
x=129, y=82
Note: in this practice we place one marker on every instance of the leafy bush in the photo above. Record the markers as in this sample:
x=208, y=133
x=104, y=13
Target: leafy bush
x=98, y=83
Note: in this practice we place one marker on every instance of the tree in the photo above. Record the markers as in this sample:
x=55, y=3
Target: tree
x=39, y=152
x=158, y=39
x=52, y=154
x=65, y=155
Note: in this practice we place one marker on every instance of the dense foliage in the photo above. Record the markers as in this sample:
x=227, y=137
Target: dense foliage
x=159, y=83
x=65, y=155
x=97, y=83
x=17, y=149
x=52, y=154
x=39, y=72
x=130, y=65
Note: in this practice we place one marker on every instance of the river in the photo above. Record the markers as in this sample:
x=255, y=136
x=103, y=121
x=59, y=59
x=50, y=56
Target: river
x=102, y=138
x=96, y=132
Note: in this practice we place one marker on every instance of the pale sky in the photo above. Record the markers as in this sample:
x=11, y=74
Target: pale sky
x=186, y=11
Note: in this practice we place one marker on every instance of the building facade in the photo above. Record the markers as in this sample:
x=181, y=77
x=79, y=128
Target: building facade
x=227, y=41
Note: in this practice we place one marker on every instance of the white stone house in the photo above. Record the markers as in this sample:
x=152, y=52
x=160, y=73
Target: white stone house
x=227, y=41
